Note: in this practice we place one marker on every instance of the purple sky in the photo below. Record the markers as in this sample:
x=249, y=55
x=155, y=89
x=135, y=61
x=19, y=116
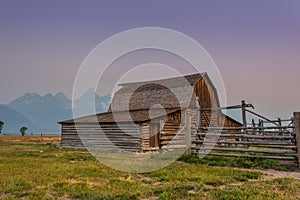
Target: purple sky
x=255, y=44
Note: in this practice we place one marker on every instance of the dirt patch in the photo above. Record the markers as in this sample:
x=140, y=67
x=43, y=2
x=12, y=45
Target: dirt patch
x=273, y=174
x=269, y=174
x=3, y=196
x=150, y=198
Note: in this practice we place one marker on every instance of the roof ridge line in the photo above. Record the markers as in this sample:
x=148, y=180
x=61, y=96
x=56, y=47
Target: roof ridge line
x=164, y=79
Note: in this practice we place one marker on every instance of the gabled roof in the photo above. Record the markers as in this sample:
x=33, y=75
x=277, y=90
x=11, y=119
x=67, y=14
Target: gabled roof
x=172, y=82
x=169, y=93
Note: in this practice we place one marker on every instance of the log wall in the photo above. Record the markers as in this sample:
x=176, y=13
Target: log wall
x=173, y=131
x=106, y=137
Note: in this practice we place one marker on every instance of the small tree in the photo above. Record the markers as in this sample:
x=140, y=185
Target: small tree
x=23, y=130
x=1, y=125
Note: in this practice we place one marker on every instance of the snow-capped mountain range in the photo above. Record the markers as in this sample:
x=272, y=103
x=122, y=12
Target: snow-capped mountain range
x=41, y=113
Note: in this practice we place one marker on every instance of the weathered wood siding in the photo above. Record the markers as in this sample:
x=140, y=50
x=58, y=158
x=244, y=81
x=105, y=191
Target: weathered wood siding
x=145, y=144
x=206, y=93
x=168, y=127
x=208, y=98
x=69, y=137
x=106, y=137
x=219, y=119
x=172, y=133
x=231, y=123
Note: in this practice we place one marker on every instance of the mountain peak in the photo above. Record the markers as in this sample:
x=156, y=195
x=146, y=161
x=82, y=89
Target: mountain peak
x=30, y=95
x=48, y=95
x=27, y=98
x=60, y=94
x=90, y=91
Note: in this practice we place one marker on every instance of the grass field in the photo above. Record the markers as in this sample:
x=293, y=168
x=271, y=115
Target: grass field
x=36, y=168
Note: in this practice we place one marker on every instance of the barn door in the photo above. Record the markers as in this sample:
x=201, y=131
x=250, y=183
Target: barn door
x=154, y=134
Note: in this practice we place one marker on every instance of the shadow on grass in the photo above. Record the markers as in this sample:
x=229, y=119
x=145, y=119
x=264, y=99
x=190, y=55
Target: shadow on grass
x=241, y=162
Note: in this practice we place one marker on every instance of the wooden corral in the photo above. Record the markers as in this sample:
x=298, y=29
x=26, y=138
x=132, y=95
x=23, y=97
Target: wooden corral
x=151, y=115
x=277, y=139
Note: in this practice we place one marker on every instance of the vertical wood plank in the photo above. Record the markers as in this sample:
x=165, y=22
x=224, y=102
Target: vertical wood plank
x=244, y=114
x=198, y=120
x=244, y=119
x=188, y=125
x=297, y=132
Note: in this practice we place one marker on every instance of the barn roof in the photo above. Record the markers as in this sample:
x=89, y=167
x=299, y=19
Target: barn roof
x=169, y=93
x=123, y=116
x=173, y=82
x=139, y=97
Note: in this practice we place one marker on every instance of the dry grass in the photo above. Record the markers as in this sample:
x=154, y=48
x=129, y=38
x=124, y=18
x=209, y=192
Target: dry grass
x=35, y=139
x=33, y=169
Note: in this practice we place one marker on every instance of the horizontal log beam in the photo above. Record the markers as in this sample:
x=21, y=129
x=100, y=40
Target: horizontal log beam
x=230, y=135
x=246, y=142
x=242, y=128
x=248, y=150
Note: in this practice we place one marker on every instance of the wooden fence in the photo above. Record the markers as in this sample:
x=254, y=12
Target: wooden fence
x=265, y=139
x=267, y=143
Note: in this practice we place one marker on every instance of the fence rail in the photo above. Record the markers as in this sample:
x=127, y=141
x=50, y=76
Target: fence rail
x=291, y=158
x=246, y=128
x=240, y=144
x=255, y=140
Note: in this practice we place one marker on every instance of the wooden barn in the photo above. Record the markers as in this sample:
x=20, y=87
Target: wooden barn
x=160, y=114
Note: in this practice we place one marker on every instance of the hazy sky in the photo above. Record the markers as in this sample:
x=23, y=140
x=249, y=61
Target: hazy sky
x=255, y=44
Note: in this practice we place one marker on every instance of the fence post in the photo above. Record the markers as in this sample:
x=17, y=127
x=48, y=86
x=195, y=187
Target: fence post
x=188, y=120
x=244, y=120
x=297, y=132
x=244, y=114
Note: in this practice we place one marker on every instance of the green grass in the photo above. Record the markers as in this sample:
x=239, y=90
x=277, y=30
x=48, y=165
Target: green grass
x=274, y=189
x=240, y=162
x=47, y=172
